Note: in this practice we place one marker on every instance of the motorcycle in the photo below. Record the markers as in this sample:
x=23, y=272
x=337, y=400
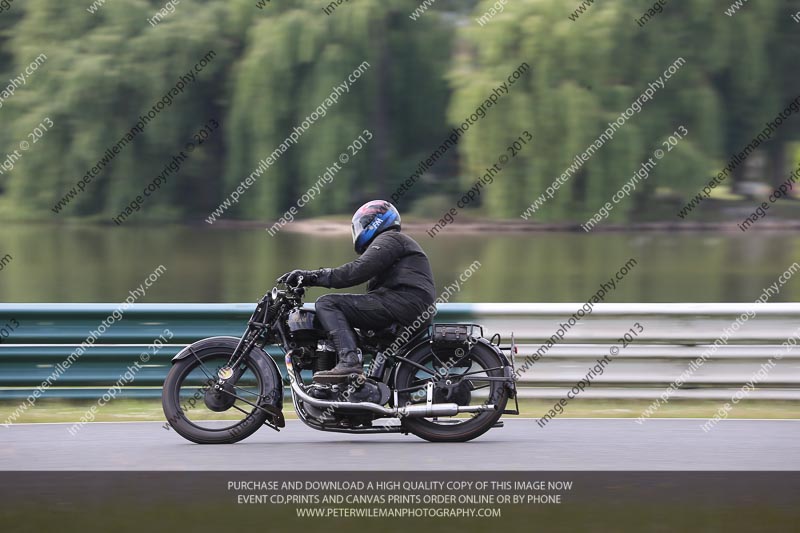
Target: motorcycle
x=440, y=382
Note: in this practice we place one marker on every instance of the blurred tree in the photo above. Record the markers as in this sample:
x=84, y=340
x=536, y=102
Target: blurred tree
x=274, y=66
x=738, y=73
x=104, y=71
x=8, y=21
x=293, y=61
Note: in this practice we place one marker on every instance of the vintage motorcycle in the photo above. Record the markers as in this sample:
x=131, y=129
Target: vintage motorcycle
x=442, y=382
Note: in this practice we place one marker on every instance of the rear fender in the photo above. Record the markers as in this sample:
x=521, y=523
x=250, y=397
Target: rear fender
x=508, y=368
x=502, y=359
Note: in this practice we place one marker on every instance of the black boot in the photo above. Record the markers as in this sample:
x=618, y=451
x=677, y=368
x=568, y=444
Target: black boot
x=349, y=363
x=349, y=358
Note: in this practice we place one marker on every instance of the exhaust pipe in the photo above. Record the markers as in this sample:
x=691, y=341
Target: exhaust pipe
x=439, y=409
x=411, y=411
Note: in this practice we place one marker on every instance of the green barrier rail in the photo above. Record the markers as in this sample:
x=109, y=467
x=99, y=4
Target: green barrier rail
x=666, y=338
x=47, y=334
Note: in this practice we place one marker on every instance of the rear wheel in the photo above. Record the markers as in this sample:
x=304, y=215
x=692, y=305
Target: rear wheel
x=457, y=377
x=200, y=412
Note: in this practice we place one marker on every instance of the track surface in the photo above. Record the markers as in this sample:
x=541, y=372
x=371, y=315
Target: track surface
x=566, y=444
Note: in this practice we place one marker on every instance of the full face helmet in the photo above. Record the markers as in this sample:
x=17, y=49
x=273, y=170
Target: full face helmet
x=372, y=219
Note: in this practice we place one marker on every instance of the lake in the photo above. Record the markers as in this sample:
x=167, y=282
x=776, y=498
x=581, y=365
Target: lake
x=85, y=263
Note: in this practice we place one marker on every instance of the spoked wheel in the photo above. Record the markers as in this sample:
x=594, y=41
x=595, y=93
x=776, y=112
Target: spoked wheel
x=455, y=377
x=203, y=413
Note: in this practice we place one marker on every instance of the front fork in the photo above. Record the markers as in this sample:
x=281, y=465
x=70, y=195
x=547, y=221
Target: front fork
x=234, y=369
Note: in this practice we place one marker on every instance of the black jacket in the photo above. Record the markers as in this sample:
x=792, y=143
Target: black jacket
x=398, y=271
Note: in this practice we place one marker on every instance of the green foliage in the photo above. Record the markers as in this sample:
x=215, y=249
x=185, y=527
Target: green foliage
x=292, y=64
x=274, y=67
x=586, y=72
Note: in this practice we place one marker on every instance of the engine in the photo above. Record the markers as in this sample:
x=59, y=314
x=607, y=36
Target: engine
x=355, y=391
x=359, y=390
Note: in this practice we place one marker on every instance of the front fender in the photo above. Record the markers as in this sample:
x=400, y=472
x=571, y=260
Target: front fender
x=199, y=345
x=262, y=360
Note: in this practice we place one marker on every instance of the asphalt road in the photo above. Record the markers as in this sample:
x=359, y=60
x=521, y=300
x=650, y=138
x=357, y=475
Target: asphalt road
x=565, y=444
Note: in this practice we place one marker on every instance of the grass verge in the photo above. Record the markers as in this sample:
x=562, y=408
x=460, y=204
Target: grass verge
x=150, y=410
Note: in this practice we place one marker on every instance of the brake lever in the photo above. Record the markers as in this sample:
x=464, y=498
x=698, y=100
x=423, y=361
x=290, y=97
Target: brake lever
x=298, y=289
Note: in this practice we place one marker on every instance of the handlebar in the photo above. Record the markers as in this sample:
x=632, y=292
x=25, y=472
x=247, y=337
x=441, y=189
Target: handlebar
x=297, y=289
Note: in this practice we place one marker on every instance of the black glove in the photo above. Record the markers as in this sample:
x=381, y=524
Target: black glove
x=311, y=278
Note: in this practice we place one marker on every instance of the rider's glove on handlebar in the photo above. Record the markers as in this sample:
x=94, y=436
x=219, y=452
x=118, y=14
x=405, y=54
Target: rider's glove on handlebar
x=311, y=278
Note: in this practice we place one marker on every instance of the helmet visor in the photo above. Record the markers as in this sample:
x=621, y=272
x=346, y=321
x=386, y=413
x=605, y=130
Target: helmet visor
x=353, y=230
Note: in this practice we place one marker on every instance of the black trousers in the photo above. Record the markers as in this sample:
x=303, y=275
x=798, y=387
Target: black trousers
x=340, y=313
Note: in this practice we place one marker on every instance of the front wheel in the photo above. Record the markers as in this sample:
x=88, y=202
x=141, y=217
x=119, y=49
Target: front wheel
x=200, y=412
x=458, y=377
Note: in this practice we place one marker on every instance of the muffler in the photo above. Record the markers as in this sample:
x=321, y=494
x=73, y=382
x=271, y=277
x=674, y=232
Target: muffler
x=439, y=409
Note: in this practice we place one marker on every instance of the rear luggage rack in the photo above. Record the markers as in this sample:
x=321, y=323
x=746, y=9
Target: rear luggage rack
x=456, y=335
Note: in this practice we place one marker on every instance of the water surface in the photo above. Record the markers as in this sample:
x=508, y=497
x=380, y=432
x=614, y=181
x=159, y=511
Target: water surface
x=81, y=263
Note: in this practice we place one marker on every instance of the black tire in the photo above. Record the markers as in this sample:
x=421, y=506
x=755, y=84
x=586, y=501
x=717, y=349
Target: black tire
x=212, y=349
x=479, y=424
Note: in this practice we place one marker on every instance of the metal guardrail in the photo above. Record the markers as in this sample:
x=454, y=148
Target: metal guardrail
x=674, y=335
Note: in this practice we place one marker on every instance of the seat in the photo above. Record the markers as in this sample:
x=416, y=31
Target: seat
x=386, y=336
x=392, y=330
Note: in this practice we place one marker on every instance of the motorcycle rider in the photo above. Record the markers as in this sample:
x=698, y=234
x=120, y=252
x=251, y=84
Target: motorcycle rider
x=400, y=285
